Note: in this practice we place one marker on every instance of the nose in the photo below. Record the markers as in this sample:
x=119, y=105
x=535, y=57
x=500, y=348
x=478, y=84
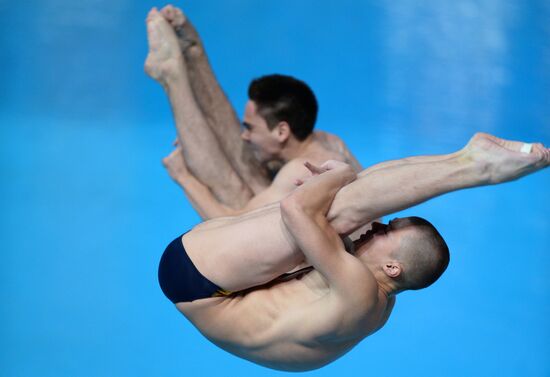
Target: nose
x=245, y=135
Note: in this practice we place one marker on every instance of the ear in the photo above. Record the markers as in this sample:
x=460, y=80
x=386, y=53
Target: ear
x=283, y=131
x=392, y=269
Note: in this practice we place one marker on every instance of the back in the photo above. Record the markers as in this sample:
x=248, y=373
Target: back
x=296, y=325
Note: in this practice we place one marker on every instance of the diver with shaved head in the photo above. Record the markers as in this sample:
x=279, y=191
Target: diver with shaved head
x=227, y=275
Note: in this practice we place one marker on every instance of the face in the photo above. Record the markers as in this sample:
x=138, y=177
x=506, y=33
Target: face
x=380, y=237
x=264, y=143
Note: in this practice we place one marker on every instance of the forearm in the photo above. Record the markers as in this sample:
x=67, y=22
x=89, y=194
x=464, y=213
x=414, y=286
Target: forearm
x=304, y=214
x=317, y=194
x=202, y=199
x=394, y=186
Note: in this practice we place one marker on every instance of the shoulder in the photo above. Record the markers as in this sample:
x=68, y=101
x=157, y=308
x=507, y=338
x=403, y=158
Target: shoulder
x=329, y=142
x=328, y=138
x=334, y=144
x=344, y=313
x=358, y=286
x=291, y=171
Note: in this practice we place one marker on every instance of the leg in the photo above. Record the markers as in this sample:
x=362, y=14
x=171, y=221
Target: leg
x=212, y=100
x=389, y=187
x=204, y=157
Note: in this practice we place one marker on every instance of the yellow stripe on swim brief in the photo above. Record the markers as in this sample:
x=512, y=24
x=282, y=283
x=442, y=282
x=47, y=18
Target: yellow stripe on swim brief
x=222, y=293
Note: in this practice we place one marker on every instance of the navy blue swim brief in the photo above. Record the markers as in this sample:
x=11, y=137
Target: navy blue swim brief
x=180, y=280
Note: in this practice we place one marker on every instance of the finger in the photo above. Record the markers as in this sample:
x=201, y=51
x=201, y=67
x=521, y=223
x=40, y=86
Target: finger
x=333, y=164
x=176, y=142
x=315, y=170
x=327, y=165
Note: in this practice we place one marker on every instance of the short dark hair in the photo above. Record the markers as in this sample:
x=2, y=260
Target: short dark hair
x=423, y=253
x=281, y=98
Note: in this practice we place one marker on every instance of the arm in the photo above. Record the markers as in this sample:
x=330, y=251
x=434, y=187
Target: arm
x=393, y=187
x=208, y=206
x=202, y=200
x=200, y=196
x=303, y=212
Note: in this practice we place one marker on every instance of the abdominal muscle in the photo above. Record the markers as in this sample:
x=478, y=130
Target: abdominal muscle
x=236, y=253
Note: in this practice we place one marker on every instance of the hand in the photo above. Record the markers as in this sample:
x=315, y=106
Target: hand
x=175, y=164
x=326, y=166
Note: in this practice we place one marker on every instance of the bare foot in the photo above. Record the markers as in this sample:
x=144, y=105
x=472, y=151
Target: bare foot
x=189, y=40
x=175, y=164
x=505, y=160
x=164, y=59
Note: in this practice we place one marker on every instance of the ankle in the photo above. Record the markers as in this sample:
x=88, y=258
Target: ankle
x=174, y=75
x=477, y=170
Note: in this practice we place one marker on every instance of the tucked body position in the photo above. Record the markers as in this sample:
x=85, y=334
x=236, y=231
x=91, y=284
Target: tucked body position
x=227, y=167
x=227, y=275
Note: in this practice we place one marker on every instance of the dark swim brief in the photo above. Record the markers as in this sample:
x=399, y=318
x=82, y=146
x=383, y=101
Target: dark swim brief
x=180, y=280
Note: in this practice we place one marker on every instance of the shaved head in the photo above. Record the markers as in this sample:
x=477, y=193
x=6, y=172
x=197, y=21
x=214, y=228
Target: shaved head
x=422, y=252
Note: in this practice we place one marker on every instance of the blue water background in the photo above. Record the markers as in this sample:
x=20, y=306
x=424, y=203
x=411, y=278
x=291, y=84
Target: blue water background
x=86, y=207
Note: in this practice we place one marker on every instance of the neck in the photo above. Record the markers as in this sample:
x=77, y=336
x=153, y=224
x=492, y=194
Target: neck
x=388, y=289
x=295, y=148
x=384, y=283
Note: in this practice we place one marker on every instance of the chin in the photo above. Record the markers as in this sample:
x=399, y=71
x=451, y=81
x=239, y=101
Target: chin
x=260, y=157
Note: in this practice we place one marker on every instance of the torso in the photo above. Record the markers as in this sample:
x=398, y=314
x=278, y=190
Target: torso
x=295, y=325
